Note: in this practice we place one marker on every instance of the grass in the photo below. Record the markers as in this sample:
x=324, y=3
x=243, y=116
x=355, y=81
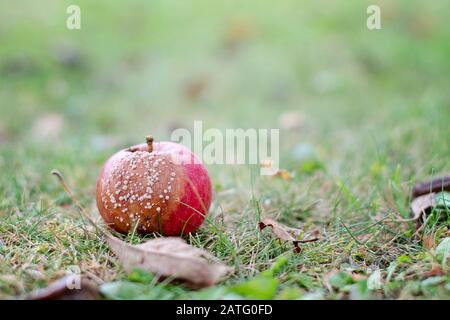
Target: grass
x=374, y=110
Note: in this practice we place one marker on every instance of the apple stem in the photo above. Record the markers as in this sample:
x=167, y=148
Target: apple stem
x=149, y=140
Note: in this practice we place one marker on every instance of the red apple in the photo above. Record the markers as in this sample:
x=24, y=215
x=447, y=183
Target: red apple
x=154, y=187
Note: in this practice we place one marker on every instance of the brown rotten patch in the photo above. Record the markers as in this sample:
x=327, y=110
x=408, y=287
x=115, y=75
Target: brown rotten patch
x=284, y=233
x=128, y=188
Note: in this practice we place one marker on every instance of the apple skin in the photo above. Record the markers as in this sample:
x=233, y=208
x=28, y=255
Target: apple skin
x=167, y=190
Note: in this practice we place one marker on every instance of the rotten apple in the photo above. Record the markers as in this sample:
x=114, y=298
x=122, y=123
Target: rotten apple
x=154, y=187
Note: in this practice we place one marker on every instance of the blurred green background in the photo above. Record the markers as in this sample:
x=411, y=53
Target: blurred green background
x=311, y=68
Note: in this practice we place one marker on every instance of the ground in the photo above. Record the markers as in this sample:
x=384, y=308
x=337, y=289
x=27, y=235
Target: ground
x=363, y=116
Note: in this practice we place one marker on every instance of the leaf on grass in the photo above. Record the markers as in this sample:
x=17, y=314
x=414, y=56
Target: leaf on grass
x=424, y=204
x=428, y=195
x=281, y=231
x=170, y=257
x=436, y=185
x=167, y=257
x=284, y=233
x=68, y=288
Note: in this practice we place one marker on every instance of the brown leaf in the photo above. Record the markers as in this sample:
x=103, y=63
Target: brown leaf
x=170, y=257
x=284, y=233
x=420, y=206
x=280, y=173
x=436, y=185
x=167, y=257
x=67, y=288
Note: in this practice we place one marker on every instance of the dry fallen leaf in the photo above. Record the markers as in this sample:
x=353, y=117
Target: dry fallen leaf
x=284, y=233
x=421, y=204
x=170, y=257
x=67, y=288
x=436, y=185
x=291, y=120
x=423, y=198
x=283, y=174
x=167, y=257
